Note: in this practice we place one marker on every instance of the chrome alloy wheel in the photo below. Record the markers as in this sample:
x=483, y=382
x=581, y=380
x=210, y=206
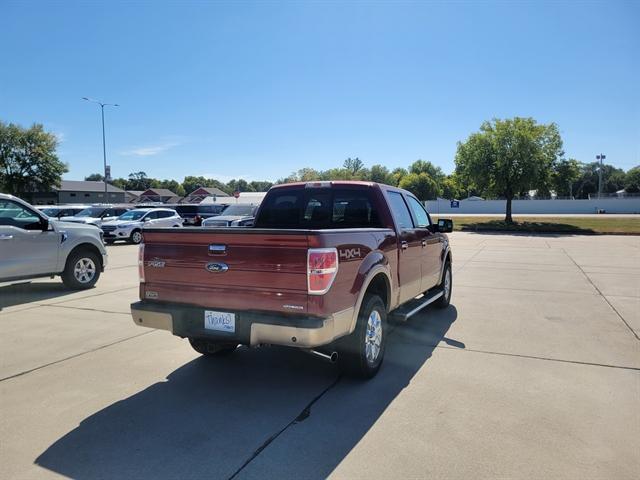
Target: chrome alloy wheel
x=84, y=270
x=447, y=283
x=373, y=337
x=136, y=237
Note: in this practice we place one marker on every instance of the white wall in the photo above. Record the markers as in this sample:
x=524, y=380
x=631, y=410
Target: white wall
x=609, y=205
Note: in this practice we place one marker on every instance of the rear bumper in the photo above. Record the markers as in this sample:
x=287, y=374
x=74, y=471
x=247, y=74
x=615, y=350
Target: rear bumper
x=251, y=328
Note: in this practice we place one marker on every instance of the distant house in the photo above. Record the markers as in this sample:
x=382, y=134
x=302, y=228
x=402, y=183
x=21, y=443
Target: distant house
x=78, y=191
x=132, y=196
x=199, y=194
x=158, y=195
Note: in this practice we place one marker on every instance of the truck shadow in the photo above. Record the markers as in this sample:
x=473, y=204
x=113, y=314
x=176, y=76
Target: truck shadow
x=20, y=294
x=258, y=413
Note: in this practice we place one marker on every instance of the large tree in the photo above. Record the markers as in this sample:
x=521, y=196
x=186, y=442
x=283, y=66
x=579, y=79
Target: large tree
x=354, y=165
x=422, y=185
x=565, y=174
x=28, y=160
x=632, y=180
x=94, y=177
x=509, y=156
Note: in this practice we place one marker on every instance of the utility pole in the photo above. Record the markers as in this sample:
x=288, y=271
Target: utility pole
x=107, y=171
x=600, y=157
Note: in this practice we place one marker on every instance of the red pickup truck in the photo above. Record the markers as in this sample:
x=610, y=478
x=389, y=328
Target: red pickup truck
x=322, y=268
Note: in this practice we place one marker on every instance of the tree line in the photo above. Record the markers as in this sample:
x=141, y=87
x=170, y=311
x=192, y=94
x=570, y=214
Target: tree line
x=505, y=158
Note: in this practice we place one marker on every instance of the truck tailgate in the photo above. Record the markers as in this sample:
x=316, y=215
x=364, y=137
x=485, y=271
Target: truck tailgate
x=248, y=269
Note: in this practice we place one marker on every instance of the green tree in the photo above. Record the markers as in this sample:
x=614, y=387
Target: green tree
x=632, y=180
x=398, y=174
x=353, y=165
x=565, y=174
x=94, y=177
x=423, y=166
x=173, y=185
x=421, y=185
x=381, y=174
x=260, y=185
x=509, y=156
x=239, y=185
x=307, y=174
x=28, y=160
x=613, y=179
x=452, y=188
x=191, y=183
x=139, y=181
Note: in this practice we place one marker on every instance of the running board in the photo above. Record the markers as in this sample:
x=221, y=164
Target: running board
x=404, y=312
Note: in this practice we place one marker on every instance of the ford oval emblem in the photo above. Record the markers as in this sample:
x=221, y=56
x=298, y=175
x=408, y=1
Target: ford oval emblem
x=217, y=267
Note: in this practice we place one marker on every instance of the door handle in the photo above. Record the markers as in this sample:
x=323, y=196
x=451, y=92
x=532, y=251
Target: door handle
x=424, y=243
x=404, y=245
x=6, y=237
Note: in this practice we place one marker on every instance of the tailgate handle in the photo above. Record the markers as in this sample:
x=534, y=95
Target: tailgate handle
x=217, y=249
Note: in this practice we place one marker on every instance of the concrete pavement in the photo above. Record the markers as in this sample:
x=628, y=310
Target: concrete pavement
x=534, y=371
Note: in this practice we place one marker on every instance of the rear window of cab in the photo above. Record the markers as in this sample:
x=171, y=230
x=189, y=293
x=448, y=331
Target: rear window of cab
x=318, y=208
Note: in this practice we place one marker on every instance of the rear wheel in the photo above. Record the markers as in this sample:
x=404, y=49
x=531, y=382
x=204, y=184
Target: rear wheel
x=82, y=270
x=212, y=349
x=136, y=237
x=362, y=352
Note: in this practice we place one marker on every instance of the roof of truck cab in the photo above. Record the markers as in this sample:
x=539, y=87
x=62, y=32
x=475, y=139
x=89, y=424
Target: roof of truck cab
x=331, y=182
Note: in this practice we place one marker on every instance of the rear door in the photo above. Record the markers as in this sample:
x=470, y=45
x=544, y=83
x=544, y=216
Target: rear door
x=410, y=248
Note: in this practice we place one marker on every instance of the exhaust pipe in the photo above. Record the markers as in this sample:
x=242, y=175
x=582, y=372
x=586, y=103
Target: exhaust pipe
x=330, y=357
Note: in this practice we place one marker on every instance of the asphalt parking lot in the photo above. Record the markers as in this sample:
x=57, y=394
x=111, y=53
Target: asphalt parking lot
x=533, y=372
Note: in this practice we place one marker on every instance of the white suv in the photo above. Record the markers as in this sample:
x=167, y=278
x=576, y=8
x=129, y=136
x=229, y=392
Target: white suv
x=129, y=225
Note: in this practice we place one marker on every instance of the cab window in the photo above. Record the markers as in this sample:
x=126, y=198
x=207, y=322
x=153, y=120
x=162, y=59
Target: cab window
x=15, y=215
x=400, y=211
x=419, y=213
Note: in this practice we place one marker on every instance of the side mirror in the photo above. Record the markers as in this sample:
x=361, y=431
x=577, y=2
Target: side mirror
x=445, y=225
x=145, y=219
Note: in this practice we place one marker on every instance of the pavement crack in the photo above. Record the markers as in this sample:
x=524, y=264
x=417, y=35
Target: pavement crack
x=74, y=356
x=55, y=305
x=301, y=417
x=602, y=295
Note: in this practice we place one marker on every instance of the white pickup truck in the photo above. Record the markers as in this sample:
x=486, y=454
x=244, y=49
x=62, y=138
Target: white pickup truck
x=33, y=245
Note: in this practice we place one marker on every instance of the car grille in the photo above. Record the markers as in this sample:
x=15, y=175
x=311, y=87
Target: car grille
x=217, y=223
x=108, y=228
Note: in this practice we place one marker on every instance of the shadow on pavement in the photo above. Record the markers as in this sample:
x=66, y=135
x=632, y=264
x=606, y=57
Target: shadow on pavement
x=32, y=292
x=214, y=418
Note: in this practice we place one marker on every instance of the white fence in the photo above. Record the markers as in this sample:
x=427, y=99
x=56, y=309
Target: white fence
x=609, y=205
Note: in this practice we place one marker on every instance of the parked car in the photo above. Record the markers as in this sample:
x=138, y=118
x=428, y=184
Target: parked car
x=59, y=211
x=233, y=216
x=129, y=225
x=33, y=245
x=194, y=214
x=322, y=268
x=96, y=215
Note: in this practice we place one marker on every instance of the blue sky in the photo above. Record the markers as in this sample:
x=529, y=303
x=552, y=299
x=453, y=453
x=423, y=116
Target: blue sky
x=260, y=89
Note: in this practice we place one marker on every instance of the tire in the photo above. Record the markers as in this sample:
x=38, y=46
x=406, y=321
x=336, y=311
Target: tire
x=446, y=285
x=361, y=354
x=212, y=349
x=136, y=237
x=82, y=270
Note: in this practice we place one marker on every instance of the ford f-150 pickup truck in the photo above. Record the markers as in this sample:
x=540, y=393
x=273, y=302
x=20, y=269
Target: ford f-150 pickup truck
x=322, y=268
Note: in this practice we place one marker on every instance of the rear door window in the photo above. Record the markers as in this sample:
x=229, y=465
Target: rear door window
x=400, y=211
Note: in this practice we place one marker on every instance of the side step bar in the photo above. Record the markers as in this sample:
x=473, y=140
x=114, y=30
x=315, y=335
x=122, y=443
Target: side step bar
x=404, y=312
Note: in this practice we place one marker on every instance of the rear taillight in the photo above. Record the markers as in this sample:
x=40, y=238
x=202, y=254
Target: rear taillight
x=322, y=268
x=141, y=262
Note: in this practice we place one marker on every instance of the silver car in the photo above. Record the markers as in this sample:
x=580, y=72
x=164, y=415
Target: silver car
x=33, y=245
x=234, y=216
x=129, y=225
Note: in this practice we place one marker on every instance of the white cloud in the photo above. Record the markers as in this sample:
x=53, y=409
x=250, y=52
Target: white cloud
x=150, y=150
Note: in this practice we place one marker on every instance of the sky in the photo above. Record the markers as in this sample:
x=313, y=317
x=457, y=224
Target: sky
x=257, y=90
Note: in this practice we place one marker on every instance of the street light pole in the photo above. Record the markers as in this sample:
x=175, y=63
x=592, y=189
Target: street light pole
x=104, y=143
x=600, y=157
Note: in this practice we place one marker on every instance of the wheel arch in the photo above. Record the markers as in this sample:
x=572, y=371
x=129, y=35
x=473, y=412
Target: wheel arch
x=86, y=246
